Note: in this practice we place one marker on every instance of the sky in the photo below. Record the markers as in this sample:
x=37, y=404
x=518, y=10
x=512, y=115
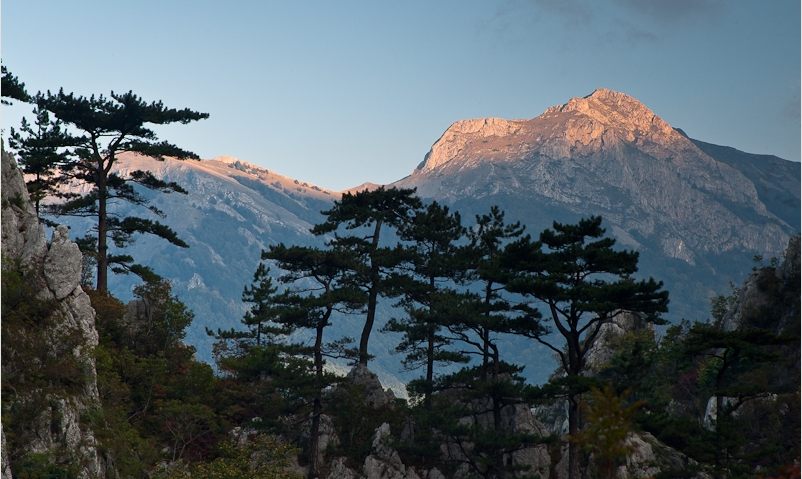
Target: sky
x=342, y=93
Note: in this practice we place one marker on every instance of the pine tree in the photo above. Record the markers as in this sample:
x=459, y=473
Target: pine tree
x=101, y=129
x=41, y=153
x=261, y=320
x=315, y=292
x=584, y=284
x=12, y=88
x=494, y=314
x=367, y=212
x=429, y=266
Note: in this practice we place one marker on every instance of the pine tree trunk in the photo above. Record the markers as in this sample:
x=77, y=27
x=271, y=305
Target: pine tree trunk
x=102, y=233
x=429, y=369
x=314, y=434
x=317, y=405
x=369, y=319
x=573, y=429
x=372, y=299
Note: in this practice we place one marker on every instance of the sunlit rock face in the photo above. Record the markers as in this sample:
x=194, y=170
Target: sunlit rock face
x=696, y=212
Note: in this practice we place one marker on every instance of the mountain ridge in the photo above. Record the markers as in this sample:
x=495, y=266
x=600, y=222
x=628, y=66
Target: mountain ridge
x=602, y=135
x=696, y=220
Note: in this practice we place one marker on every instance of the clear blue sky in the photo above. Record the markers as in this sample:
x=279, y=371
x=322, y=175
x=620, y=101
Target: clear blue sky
x=339, y=93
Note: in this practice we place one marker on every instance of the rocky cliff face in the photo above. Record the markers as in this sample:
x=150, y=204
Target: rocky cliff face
x=691, y=216
x=53, y=270
x=606, y=154
x=754, y=297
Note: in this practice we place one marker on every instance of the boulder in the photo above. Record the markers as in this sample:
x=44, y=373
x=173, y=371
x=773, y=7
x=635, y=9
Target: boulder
x=375, y=395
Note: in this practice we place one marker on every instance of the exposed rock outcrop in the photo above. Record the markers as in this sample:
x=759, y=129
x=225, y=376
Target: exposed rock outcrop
x=54, y=269
x=752, y=297
x=608, y=154
x=375, y=395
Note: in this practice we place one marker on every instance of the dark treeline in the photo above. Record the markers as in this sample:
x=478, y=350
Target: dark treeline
x=460, y=289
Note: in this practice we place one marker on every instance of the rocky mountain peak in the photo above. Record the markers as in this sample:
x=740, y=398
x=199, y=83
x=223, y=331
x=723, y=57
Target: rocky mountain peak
x=618, y=111
x=601, y=121
x=462, y=133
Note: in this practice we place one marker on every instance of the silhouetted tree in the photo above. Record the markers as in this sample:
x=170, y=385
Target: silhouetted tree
x=493, y=313
x=12, y=87
x=584, y=284
x=104, y=128
x=429, y=267
x=315, y=292
x=367, y=212
x=41, y=153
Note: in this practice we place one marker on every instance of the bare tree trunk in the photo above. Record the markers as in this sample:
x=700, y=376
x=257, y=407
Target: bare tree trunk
x=573, y=429
x=102, y=232
x=372, y=299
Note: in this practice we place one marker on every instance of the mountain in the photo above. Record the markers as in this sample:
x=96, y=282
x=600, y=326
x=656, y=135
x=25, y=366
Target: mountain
x=776, y=180
x=233, y=210
x=696, y=212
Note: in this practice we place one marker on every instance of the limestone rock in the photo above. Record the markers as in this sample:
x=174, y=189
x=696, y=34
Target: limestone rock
x=752, y=296
x=62, y=266
x=375, y=394
x=790, y=265
x=600, y=353
x=55, y=268
x=6, y=468
x=23, y=236
x=605, y=154
x=384, y=462
x=338, y=470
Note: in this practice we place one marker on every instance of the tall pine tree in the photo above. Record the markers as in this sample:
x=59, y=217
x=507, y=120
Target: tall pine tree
x=367, y=212
x=101, y=129
x=315, y=291
x=584, y=284
x=430, y=266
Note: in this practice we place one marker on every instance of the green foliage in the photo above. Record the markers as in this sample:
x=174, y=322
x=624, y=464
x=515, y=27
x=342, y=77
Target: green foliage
x=429, y=265
x=259, y=458
x=361, y=211
x=12, y=87
x=41, y=152
x=157, y=402
x=491, y=313
x=468, y=415
x=39, y=365
x=751, y=372
x=42, y=466
x=83, y=143
x=607, y=427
